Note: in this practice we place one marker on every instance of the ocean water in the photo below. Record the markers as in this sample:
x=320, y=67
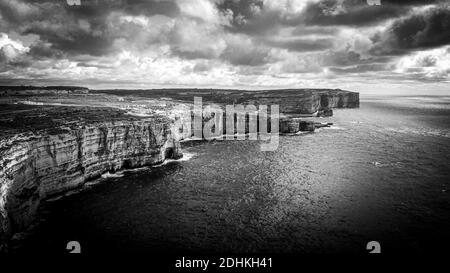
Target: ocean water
x=382, y=173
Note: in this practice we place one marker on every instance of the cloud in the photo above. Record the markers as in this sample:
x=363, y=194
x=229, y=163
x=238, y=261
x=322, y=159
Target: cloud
x=241, y=50
x=10, y=50
x=86, y=29
x=223, y=42
x=428, y=29
x=350, y=12
x=361, y=68
x=241, y=11
x=342, y=58
x=201, y=9
x=100, y=9
x=301, y=44
x=193, y=40
x=426, y=65
x=44, y=50
x=17, y=11
x=306, y=63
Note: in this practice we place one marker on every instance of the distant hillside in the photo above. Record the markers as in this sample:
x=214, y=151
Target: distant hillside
x=295, y=101
x=35, y=90
x=30, y=87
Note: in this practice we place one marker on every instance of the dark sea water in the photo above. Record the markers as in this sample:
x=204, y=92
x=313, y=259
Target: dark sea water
x=381, y=173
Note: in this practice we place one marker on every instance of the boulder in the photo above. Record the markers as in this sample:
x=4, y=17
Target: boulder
x=306, y=125
x=327, y=112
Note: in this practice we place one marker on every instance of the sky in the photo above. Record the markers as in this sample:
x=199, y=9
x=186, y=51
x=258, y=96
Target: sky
x=398, y=46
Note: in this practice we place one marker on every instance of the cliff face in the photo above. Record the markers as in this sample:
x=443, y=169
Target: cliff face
x=320, y=101
x=36, y=166
x=339, y=100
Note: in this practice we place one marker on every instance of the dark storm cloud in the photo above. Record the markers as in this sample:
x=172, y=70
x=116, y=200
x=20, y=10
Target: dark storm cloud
x=13, y=12
x=59, y=24
x=250, y=16
x=100, y=8
x=245, y=37
x=411, y=2
x=254, y=18
x=41, y=50
x=351, y=12
x=242, y=10
x=429, y=29
x=73, y=39
x=7, y=64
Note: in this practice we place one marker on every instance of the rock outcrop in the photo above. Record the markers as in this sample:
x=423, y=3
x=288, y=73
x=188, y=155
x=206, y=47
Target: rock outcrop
x=295, y=125
x=307, y=126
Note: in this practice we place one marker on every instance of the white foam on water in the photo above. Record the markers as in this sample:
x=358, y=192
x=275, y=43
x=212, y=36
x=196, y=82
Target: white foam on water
x=191, y=139
x=112, y=175
x=302, y=133
x=334, y=127
x=388, y=164
x=136, y=169
x=186, y=157
x=108, y=175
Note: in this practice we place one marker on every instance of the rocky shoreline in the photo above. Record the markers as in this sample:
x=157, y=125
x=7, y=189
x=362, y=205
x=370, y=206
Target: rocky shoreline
x=52, y=145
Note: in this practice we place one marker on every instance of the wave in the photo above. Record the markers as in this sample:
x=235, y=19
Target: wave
x=389, y=164
x=334, y=127
x=119, y=174
x=112, y=175
x=186, y=157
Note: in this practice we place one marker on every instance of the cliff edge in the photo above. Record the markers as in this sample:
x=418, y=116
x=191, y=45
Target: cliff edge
x=44, y=152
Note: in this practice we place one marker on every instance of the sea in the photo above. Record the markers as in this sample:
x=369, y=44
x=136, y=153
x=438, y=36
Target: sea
x=380, y=173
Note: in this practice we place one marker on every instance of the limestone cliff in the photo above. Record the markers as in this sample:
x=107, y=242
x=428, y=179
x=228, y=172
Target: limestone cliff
x=36, y=165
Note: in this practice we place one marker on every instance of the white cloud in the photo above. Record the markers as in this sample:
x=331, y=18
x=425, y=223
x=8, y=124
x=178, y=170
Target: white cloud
x=200, y=9
x=287, y=6
x=429, y=64
x=10, y=49
x=192, y=40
